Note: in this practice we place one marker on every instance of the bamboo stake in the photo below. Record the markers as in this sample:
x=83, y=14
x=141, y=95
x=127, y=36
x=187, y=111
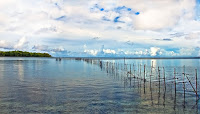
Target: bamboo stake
x=164, y=77
x=133, y=67
x=159, y=79
x=124, y=60
x=134, y=70
x=144, y=73
x=175, y=80
x=184, y=82
x=192, y=86
x=140, y=70
x=150, y=81
x=151, y=68
x=175, y=88
x=196, y=81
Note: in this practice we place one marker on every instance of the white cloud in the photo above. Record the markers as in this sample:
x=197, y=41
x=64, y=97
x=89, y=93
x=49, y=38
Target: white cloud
x=109, y=51
x=4, y=44
x=160, y=14
x=39, y=20
x=188, y=52
x=91, y=52
x=21, y=44
x=155, y=51
x=59, y=49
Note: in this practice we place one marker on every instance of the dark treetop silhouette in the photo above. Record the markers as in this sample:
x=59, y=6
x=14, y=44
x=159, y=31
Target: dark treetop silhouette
x=22, y=54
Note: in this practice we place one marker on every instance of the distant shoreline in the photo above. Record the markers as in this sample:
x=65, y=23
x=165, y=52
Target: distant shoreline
x=22, y=54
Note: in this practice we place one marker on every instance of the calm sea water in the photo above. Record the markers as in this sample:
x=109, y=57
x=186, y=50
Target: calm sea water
x=44, y=85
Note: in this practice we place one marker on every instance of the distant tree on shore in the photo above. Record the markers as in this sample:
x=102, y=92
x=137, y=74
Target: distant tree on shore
x=22, y=54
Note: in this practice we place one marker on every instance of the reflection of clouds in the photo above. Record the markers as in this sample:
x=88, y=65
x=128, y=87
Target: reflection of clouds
x=21, y=71
x=1, y=69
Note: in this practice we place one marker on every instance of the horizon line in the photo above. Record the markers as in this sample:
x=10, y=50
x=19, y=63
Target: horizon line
x=132, y=57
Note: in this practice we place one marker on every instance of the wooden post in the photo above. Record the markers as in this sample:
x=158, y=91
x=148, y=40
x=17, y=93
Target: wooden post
x=133, y=67
x=196, y=82
x=150, y=80
x=133, y=70
x=118, y=66
x=151, y=67
x=174, y=88
x=130, y=74
x=164, y=77
x=140, y=70
x=124, y=61
x=144, y=79
x=184, y=81
x=159, y=78
x=152, y=64
x=130, y=81
x=184, y=84
x=134, y=74
x=124, y=65
x=144, y=73
x=112, y=67
x=151, y=74
x=107, y=66
x=175, y=80
x=124, y=82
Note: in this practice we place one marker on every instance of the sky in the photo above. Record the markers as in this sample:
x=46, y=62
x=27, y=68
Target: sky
x=102, y=28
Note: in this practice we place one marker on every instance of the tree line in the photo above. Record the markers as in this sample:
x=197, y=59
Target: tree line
x=22, y=54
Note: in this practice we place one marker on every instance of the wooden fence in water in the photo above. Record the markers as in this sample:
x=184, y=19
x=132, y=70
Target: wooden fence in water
x=178, y=82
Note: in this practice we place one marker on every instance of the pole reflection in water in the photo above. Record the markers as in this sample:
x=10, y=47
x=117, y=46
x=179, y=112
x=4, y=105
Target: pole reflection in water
x=20, y=70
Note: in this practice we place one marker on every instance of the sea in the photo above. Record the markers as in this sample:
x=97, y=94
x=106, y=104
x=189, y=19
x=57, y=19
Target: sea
x=99, y=85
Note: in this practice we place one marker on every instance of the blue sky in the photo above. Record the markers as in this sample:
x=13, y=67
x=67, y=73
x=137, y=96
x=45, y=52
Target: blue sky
x=105, y=28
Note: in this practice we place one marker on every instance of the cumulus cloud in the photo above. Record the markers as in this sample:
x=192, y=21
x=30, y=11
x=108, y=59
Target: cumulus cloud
x=189, y=52
x=159, y=14
x=102, y=52
x=91, y=52
x=109, y=51
x=155, y=51
x=141, y=24
x=21, y=44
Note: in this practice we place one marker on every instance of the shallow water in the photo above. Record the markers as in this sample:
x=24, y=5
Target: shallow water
x=44, y=85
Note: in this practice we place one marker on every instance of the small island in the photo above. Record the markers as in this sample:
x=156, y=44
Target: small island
x=22, y=54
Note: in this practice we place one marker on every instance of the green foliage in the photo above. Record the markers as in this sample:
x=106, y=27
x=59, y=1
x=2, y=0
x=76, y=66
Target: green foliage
x=22, y=54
